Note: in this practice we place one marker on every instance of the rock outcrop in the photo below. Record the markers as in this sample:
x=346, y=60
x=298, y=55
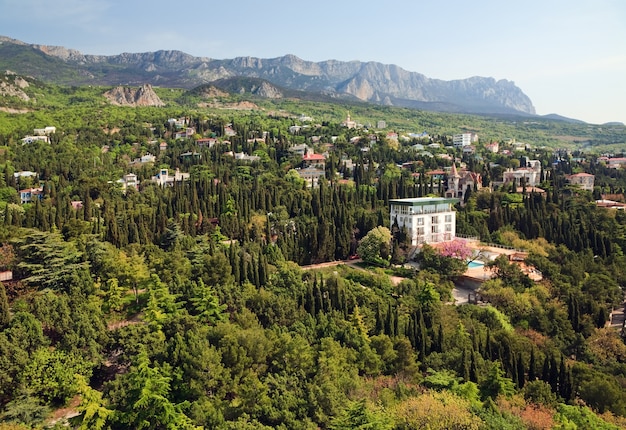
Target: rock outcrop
x=126, y=96
x=12, y=85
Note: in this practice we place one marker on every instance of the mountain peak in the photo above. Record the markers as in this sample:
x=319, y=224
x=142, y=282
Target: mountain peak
x=367, y=81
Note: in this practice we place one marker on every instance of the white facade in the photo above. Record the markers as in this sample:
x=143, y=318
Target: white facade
x=426, y=219
x=463, y=139
x=164, y=178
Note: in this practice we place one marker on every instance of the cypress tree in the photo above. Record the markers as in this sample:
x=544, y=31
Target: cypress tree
x=473, y=375
x=545, y=373
x=554, y=375
x=521, y=373
x=465, y=365
x=5, y=313
x=531, y=366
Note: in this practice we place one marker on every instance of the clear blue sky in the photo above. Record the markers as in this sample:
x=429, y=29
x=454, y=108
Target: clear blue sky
x=569, y=57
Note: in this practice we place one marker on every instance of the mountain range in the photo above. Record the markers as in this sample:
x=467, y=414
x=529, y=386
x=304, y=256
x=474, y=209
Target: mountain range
x=385, y=84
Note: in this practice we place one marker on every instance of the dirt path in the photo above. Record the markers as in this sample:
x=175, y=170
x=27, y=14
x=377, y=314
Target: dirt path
x=331, y=264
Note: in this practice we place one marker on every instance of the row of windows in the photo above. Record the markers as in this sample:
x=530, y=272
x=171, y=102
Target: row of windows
x=420, y=220
x=434, y=229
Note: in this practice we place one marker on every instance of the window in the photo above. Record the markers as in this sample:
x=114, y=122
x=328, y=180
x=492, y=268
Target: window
x=435, y=229
x=420, y=221
x=435, y=220
x=448, y=218
x=448, y=227
x=420, y=231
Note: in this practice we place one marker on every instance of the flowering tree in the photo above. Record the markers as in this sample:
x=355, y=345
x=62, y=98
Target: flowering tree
x=457, y=249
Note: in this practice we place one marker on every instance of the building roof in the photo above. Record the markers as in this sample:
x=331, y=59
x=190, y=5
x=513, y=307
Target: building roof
x=311, y=157
x=423, y=201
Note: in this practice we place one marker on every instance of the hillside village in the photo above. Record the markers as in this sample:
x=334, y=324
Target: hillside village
x=450, y=159
x=304, y=266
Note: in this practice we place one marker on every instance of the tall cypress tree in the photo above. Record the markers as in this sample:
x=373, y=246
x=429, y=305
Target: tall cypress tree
x=5, y=313
x=531, y=366
x=521, y=373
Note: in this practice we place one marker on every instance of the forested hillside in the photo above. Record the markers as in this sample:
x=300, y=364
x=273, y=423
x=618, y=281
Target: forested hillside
x=189, y=306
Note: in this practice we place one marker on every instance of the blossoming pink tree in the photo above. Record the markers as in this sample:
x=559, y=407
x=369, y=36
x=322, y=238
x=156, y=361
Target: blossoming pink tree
x=456, y=248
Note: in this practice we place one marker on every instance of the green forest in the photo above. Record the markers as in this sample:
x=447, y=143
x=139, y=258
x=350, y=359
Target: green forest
x=204, y=304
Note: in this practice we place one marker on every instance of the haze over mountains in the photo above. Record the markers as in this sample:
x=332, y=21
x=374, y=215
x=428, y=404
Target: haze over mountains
x=373, y=82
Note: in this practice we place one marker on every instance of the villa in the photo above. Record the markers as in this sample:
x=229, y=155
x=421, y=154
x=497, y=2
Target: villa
x=426, y=219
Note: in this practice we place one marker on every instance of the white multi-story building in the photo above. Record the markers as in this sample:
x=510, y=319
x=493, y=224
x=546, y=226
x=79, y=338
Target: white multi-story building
x=426, y=219
x=463, y=139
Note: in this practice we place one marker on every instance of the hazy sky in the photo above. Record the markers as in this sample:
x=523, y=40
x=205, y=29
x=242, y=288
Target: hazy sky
x=569, y=56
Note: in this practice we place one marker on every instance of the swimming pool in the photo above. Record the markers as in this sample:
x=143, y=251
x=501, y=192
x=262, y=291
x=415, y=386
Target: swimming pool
x=473, y=264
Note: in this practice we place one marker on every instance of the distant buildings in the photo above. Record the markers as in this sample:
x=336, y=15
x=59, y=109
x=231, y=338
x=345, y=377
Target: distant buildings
x=40, y=135
x=349, y=123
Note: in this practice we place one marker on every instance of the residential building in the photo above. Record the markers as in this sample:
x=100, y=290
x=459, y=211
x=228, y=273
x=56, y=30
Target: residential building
x=147, y=158
x=245, y=157
x=185, y=134
x=311, y=175
x=31, y=139
x=584, y=180
x=381, y=124
x=29, y=195
x=229, y=131
x=24, y=174
x=460, y=181
x=617, y=162
x=206, y=142
x=164, y=178
x=129, y=181
x=426, y=219
x=529, y=175
x=300, y=149
x=493, y=147
x=464, y=139
x=46, y=131
x=392, y=135
x=314, y=160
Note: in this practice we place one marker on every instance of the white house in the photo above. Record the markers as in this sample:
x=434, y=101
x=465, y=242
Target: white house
x=129, y=181
x=426, y=219
x=31, y=139
x=164, y=178
x=44, y=131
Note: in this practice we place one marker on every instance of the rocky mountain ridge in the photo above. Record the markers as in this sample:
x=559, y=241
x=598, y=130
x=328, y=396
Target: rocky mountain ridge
x=367, y=81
